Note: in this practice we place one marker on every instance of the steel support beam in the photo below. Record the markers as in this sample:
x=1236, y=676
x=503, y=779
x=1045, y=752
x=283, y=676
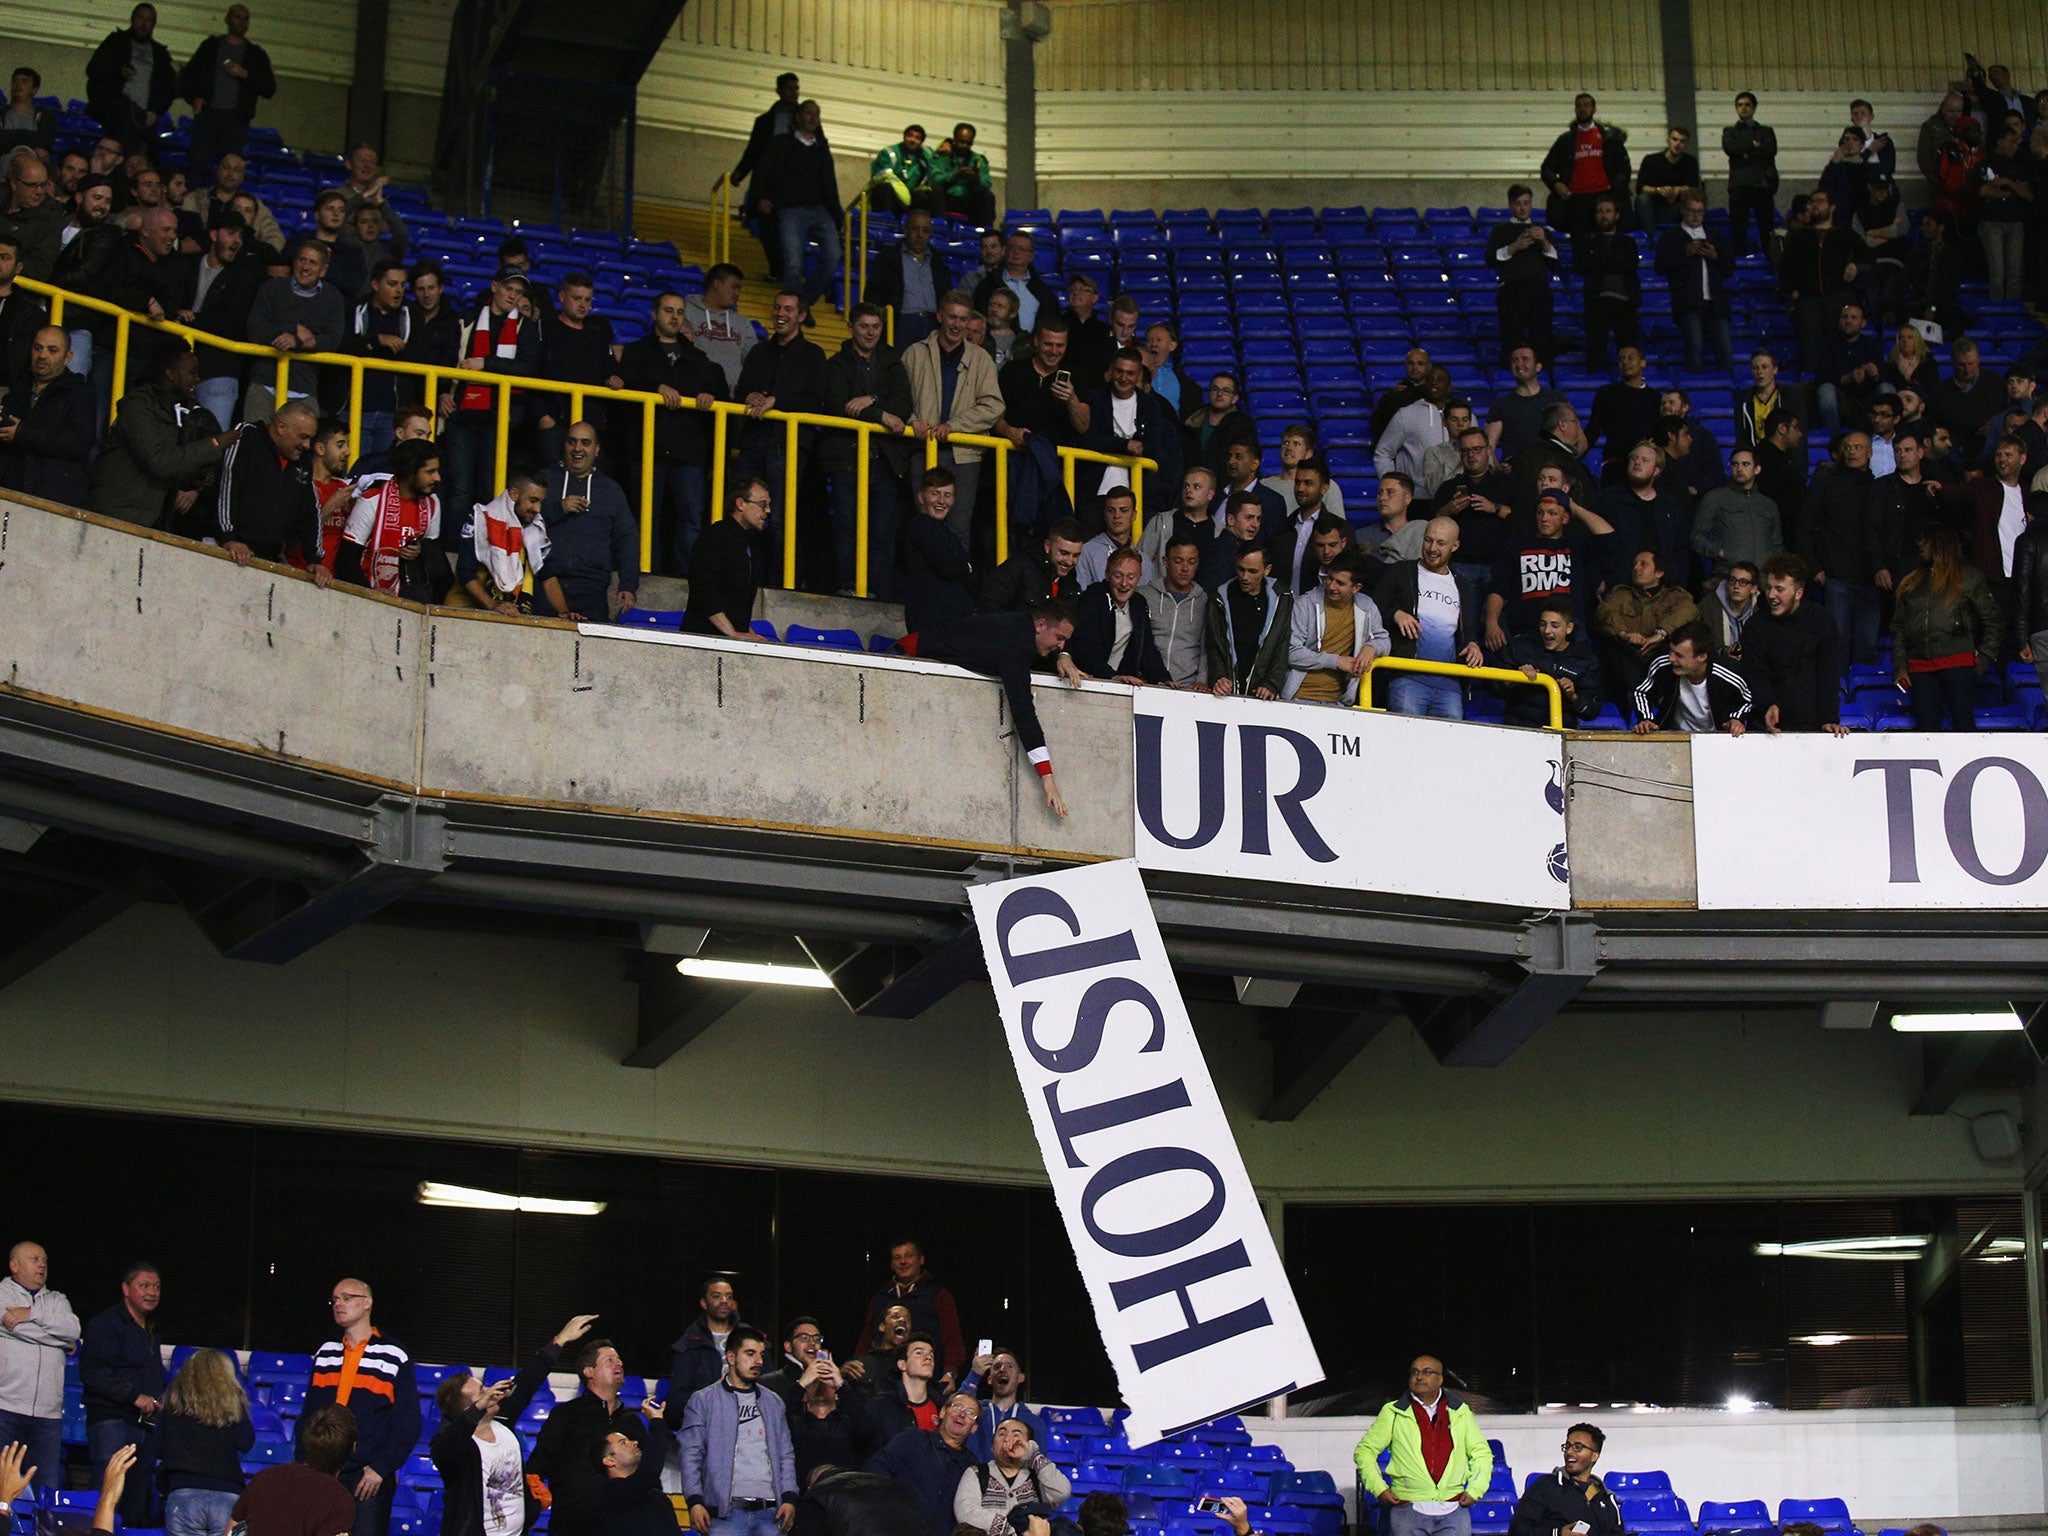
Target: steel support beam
x=1565, y=956
x=27, y=948
x=1312, y=1045
x=271, y=921
x=676, y=1009
x=1950, y=1071
x=896, y=981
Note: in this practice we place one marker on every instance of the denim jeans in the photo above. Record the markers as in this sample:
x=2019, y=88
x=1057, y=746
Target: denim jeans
x=1854, y=608
x=45, y=1441
x=2005, y=243
x=376, y=432
x=1692, y=323
x=885, y=500
x=198, y=1512
x=1413, y=693
x=106, y=1436
x=795, y=226
x=218, y=396
x=1402, y=1520
x=682, y=497
x=373, y=1516
x=746, y=1522
x=468, y=458
x=1827, y=400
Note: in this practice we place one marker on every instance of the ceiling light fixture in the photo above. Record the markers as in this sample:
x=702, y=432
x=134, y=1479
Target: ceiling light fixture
x=1822, y=1340
x=757, y=972
x=459, y=1197
x=2003, y=1020
x=1870, y=1250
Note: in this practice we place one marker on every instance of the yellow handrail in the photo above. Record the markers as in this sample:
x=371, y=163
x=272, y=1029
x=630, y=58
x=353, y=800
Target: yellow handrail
x=852, y=290
x=1137, y=467
x=1459, y=670
x=503, y=388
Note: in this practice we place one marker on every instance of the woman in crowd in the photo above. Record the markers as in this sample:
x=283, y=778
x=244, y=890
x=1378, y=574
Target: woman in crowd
x=203, y=1432
x=1945, y=632
x=1910, y=365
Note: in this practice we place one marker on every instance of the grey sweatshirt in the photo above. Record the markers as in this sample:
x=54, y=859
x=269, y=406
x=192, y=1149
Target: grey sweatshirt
x=32, y=1352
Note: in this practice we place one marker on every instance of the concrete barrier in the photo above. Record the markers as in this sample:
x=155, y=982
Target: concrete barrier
x=134, y=626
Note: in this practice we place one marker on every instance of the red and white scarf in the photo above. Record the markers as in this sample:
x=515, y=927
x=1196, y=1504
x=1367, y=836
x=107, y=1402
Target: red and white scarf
x=475, y=397
x=509, y=551
x=383, y=521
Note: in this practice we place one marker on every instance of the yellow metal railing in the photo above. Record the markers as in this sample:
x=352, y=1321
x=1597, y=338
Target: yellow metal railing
x=503, y=388
x=855, y=286
x=1464, y=673
x=721, y=221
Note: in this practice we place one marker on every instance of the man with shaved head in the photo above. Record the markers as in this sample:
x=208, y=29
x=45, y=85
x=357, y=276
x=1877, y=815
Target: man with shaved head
x=1434, y=614
x=37, y=1330
x=1441, y=1464
x=46, y=426
x=372, y=1377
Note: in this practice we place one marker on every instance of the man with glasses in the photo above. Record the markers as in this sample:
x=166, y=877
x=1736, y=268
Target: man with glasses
x=1441, y=1464
x=1571, y=1500
x=801, y=1347
x=32, y=217
x=726, y=565
x=372, y=1377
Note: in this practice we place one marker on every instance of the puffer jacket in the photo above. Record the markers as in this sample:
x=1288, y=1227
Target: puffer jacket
x=157, y=446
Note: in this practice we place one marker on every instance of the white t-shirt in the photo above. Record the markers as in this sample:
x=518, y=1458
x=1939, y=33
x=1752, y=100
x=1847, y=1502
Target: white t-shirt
x=1123, y=415
x=504, y=1483
x=1436, y=610
x=2012, y=522
x=1694, y=712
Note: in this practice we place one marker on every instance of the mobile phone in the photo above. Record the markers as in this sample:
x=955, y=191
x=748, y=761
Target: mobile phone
x=1063, y=377
x=1210, y=1506
x=825, y=1355
x=983, y=1347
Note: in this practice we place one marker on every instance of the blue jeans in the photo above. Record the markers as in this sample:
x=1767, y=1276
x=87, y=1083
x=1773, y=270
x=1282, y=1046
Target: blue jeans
x=1854, y=608
x=746, y=1522
x=106, y=1436
x=469, y=446
x=1827, y=400
x=884, y=518
x=1402, y=1520
x=1414, y=693
x=1947, y=697
x=375, y=433
x=219, y=396
x=794, y=226
x=682, y=496
x=45, y=1441
x=1692, y=323
x=198, y=1512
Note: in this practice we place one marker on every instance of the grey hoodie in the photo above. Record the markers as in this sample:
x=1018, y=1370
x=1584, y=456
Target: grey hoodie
x=32, y=1352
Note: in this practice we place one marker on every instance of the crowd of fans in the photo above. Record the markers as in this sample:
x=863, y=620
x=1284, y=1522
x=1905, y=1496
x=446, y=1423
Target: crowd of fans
x=908, y=1427
x=1631, y=556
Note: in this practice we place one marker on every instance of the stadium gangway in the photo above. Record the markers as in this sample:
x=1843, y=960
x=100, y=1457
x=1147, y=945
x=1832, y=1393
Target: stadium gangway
x=503, y=389
x=1463, y=673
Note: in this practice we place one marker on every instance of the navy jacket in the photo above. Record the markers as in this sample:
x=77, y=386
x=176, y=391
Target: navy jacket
x=698, y=1360
x=933, y=575
x=1159, y=433
x=51, y=452
x=118, y=1361
x=585, y=548
x=1095, y=633
x=1557, y=1503
x=929, y=1470
x=1697, y=282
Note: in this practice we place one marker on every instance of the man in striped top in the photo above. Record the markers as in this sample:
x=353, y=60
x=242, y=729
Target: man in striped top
x=371, y=1376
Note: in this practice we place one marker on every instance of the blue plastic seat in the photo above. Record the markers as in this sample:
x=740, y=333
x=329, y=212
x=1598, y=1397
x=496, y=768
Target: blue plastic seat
x=1828, y=1514
x=1141, y=1474
x=1744, y=1516
x=1638, y=1482
x=1492, y=1515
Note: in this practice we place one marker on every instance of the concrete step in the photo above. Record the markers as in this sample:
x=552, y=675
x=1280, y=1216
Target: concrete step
x=690, y=229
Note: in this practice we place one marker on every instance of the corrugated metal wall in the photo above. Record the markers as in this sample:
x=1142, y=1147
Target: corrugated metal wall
x=1820, y=45
x=1338, y=45
x=935, y=39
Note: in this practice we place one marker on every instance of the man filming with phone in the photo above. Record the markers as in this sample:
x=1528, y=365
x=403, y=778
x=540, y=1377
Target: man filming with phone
x=1571, y=1501
x=1441, y=1464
